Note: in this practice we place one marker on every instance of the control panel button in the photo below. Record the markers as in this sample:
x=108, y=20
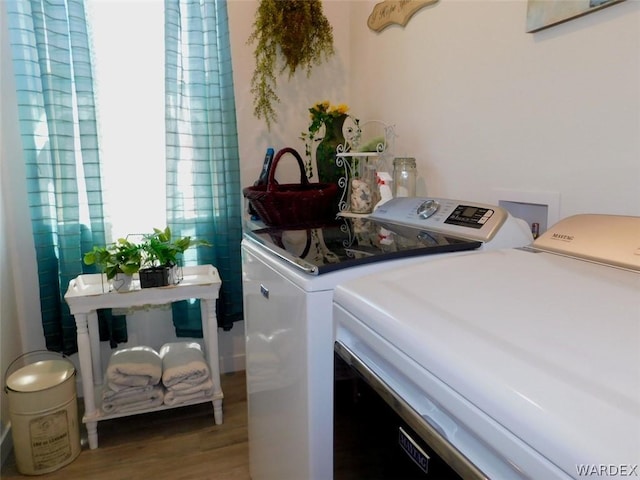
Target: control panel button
x=427, y=208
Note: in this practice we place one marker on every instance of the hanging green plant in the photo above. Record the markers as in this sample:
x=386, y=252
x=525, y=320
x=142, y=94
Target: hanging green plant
x=299, y=31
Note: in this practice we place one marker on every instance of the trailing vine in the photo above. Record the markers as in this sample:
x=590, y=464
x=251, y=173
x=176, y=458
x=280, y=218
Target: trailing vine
x=300, y=33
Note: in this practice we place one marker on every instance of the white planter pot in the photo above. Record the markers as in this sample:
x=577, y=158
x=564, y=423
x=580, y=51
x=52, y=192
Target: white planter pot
x=122, y=282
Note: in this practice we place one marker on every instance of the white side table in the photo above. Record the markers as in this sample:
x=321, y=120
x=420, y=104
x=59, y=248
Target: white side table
x=89, y=293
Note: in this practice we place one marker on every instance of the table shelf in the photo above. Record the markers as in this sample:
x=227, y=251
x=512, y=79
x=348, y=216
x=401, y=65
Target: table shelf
x=89, y=293
x=100, y=415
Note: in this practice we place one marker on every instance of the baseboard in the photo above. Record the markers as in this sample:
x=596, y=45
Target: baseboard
x=6, y=444
x=236, y=363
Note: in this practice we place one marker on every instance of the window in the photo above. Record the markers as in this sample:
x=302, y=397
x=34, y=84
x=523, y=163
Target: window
x=128, y=40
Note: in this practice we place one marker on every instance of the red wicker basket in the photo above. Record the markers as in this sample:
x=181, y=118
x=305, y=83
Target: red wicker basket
x=292, y=203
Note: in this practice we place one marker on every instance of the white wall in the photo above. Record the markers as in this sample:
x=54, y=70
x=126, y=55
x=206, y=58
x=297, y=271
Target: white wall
x=330, y=81
x=482, y=105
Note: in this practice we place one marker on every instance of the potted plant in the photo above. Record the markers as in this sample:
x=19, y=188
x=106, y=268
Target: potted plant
x=161, y=256
x=118, y=261
x=288, y=36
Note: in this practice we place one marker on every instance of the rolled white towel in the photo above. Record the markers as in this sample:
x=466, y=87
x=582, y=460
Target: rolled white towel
x=183, y=363
x=134, y=367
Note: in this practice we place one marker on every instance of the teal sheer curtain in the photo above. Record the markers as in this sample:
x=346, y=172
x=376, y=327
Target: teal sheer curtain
x=56, y=108
x=203, y=170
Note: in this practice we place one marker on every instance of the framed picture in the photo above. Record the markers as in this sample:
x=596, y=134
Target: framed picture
x=545, y=13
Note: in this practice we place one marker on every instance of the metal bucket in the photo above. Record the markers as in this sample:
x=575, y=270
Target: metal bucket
x=43, y=407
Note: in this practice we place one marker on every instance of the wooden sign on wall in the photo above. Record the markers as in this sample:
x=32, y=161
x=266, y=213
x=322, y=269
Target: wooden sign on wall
x=391, y=12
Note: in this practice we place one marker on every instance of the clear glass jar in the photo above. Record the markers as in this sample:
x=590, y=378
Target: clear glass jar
x=404, y=177
x=363, y=191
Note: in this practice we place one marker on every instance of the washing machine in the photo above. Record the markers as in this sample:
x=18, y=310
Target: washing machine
x=506, y=364
x=289, y=275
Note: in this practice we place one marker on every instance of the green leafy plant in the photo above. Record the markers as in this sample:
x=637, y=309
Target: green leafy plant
x=300, y=33
x=161, y=250
x=123, y=256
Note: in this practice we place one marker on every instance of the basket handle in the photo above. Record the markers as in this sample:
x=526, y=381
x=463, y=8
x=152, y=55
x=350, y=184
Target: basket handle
x=271, y=182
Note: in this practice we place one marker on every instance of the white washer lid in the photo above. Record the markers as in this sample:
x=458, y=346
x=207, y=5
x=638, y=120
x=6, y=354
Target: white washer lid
x=40, y=376
x=546, y=345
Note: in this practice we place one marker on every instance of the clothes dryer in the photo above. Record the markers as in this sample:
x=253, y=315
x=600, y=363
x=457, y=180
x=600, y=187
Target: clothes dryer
x=511, y=363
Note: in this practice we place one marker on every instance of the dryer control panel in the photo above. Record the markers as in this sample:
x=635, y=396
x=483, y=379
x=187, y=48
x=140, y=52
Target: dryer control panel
x=465, y=219
x=609, y=239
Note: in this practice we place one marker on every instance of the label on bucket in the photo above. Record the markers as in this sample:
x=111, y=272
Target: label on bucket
x=50, y=443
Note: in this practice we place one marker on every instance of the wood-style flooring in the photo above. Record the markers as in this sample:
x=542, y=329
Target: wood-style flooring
x=183, y=443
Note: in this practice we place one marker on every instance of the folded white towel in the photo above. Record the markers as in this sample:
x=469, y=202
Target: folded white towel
x=186, y=389
x=137, y=399
x=175, y=398
x=134, y=367
x=183, y=363
x=121, y=396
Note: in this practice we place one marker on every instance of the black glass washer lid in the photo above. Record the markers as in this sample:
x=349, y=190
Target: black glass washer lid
x=347, y=242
